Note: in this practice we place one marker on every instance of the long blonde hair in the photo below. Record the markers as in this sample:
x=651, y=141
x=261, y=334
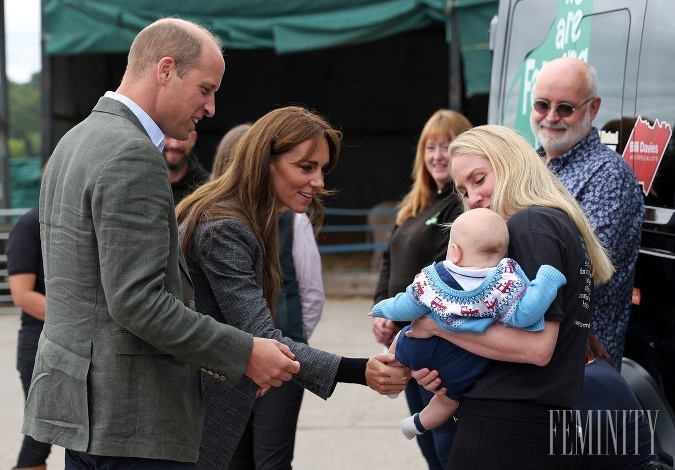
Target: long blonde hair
x=244, y=191
x=445, y=124
x=522, y=180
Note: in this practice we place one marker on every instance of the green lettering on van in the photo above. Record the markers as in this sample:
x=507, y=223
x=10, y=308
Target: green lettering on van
x=569, y=36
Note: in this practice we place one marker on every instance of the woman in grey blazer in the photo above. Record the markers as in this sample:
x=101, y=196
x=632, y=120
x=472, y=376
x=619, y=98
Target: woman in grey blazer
x=228, y=231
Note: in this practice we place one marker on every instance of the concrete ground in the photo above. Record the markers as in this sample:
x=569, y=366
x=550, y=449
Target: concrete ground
x=356, y=428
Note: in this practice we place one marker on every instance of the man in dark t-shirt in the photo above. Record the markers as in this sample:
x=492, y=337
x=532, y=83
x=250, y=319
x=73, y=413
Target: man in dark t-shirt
x=27, y=286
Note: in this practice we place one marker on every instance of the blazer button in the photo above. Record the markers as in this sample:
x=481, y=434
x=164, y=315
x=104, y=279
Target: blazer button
x=190, y=304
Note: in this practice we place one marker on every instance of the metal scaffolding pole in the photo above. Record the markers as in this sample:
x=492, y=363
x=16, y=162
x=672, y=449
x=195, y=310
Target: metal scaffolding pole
x=4, y=152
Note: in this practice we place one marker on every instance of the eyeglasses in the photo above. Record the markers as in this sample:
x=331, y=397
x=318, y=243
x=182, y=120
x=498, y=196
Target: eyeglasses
x=433, y=147
x=564, y=110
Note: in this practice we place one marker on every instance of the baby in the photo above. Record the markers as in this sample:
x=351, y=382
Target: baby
x=476, y=286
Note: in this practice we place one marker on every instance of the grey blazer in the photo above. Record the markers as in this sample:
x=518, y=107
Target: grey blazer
x=117, y=368
x=226, y=266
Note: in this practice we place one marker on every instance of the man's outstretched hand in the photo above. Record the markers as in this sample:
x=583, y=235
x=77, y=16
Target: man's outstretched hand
x=271, y=363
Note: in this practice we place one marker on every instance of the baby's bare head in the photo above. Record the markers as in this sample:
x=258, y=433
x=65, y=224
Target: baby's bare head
x=482, y=236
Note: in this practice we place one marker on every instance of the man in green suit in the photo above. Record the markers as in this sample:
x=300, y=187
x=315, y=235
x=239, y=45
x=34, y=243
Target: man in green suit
x=117, y=374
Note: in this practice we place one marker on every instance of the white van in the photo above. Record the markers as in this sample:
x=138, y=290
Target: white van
x=631, y=44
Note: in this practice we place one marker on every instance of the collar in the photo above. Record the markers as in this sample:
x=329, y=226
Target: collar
x=154, y=132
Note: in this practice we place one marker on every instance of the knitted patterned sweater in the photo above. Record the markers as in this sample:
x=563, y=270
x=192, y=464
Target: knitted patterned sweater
x=505, y=296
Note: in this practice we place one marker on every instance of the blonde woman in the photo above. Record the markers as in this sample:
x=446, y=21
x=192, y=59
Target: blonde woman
x=513, y=415
x=418, y=240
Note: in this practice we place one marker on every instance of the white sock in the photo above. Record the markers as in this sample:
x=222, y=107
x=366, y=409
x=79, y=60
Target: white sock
x=408, y=427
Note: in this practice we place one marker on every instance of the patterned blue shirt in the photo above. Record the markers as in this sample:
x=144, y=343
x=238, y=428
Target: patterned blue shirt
x=608, y=191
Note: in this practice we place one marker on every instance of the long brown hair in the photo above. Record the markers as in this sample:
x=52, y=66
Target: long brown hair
x=444, y=124
x=245, y=193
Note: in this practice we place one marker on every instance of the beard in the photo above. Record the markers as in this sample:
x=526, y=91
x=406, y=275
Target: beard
x=558, y=144
x=173, y=166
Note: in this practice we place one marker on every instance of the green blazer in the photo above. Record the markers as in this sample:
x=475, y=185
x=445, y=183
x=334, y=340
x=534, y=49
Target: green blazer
x=117, y=371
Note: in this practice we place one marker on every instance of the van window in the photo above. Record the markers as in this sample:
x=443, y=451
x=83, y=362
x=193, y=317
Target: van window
x=536, y=18
x=655, y=93
x=608, y=54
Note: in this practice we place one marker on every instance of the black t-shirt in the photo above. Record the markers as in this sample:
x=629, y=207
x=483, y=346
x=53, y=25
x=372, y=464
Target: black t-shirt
x=24, y=256
x=540, y=235
x=195, y=176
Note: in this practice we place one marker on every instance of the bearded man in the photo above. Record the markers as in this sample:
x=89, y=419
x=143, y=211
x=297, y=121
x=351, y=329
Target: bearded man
x=185, y=171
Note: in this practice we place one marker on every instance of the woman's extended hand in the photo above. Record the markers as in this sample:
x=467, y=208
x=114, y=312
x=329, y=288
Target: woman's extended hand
x=386, y=375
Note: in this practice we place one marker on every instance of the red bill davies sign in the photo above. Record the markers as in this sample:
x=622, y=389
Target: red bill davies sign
x=645, y=148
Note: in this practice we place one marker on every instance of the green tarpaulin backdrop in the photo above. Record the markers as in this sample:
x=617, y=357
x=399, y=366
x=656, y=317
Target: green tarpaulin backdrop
x=25, y=186
x=74, y=27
